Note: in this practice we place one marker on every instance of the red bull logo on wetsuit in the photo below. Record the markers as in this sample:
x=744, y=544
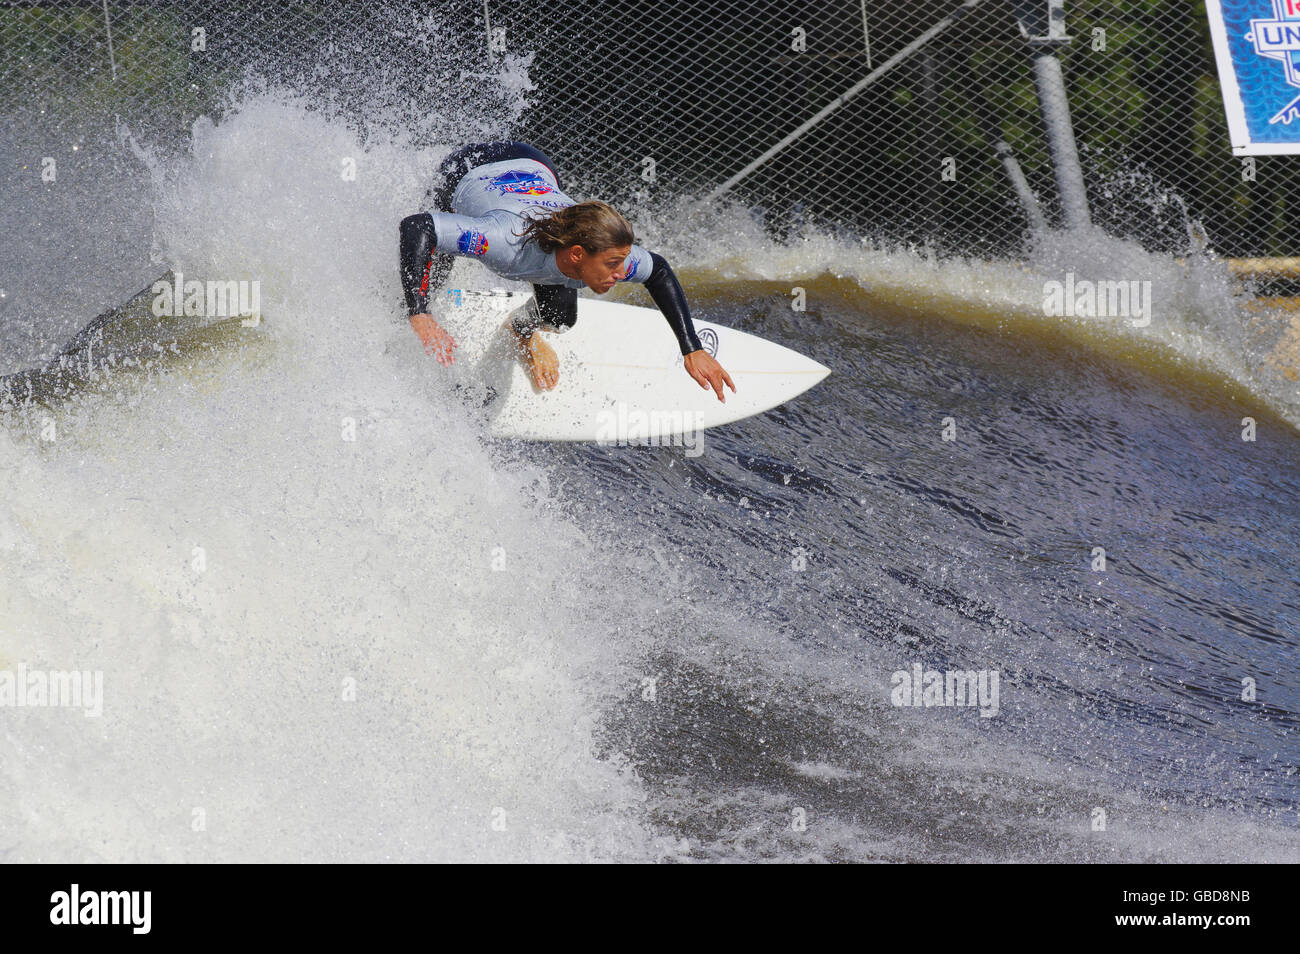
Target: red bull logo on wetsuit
x=520, y=183
x=630, y=275
x=472, y=243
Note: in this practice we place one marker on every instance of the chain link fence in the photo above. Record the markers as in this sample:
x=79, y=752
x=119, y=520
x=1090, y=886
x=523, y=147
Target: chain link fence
x=905, y=121
x=912, y=155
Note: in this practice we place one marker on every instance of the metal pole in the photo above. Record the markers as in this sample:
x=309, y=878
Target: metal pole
x=866, y=37
x=849, y=93
x=1007, y=156
x=1028, y=201
x=108, y=28
x=930, y=135
x=1055, y=106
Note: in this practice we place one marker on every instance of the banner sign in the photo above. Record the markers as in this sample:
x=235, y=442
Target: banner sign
x=1257, y=46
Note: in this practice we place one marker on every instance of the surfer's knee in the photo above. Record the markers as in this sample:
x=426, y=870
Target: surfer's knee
x=557, y=305
x=525, y=319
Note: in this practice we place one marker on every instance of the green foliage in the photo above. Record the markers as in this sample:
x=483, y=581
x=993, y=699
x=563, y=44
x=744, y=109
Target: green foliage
x=57, y=62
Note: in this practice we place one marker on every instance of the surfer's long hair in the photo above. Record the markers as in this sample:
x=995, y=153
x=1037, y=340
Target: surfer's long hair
x=595, y=225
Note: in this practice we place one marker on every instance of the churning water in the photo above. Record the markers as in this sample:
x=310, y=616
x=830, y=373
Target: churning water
x=423, y=644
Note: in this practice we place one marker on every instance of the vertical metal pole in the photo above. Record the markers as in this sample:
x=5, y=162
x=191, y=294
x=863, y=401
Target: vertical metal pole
x=1055, y=106
x=866, y=37
x=108, y=28
x=930, y=140
x=118, y=129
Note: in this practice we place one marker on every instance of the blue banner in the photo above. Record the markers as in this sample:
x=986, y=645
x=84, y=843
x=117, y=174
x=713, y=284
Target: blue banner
x=1257, y=46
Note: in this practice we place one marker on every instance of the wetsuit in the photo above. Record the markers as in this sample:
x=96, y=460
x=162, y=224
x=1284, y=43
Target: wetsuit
x=487, y=190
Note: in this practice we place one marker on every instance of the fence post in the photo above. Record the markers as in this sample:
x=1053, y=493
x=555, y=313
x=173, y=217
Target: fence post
x=1045, y=38
x=108, y=29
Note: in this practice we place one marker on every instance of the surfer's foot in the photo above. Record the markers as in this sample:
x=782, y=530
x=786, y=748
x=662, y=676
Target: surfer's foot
x=542, y=362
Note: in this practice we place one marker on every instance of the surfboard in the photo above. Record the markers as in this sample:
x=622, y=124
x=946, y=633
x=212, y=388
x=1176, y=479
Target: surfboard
x=621, y=380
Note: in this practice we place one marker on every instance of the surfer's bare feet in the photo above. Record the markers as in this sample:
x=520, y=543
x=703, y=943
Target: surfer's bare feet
x=542, y=362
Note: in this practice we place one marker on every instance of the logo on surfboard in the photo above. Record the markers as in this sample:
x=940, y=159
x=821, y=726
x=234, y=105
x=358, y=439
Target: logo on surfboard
x=709, y=338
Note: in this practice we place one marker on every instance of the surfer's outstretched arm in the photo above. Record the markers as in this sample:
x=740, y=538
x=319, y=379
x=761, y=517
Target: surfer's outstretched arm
x=423, y=271
x=666, y=290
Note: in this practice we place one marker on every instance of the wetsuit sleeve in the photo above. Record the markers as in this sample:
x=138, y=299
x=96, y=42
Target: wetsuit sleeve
x=429, y=241
x=667, y=293
x=422, y=269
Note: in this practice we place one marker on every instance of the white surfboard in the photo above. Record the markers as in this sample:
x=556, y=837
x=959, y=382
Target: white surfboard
x=621, y=374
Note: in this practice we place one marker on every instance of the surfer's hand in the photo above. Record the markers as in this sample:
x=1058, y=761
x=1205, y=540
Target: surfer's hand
x=543, y=362
x=437, y=341
x=704, y=368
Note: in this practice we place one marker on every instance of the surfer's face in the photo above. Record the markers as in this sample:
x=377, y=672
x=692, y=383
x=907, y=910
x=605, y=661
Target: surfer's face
x=601, y=270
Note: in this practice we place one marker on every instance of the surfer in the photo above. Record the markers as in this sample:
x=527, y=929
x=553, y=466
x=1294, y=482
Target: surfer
x=501, y=202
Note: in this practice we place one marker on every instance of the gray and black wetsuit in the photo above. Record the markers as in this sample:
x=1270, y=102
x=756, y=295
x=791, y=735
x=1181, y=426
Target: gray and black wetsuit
x=486, y=191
